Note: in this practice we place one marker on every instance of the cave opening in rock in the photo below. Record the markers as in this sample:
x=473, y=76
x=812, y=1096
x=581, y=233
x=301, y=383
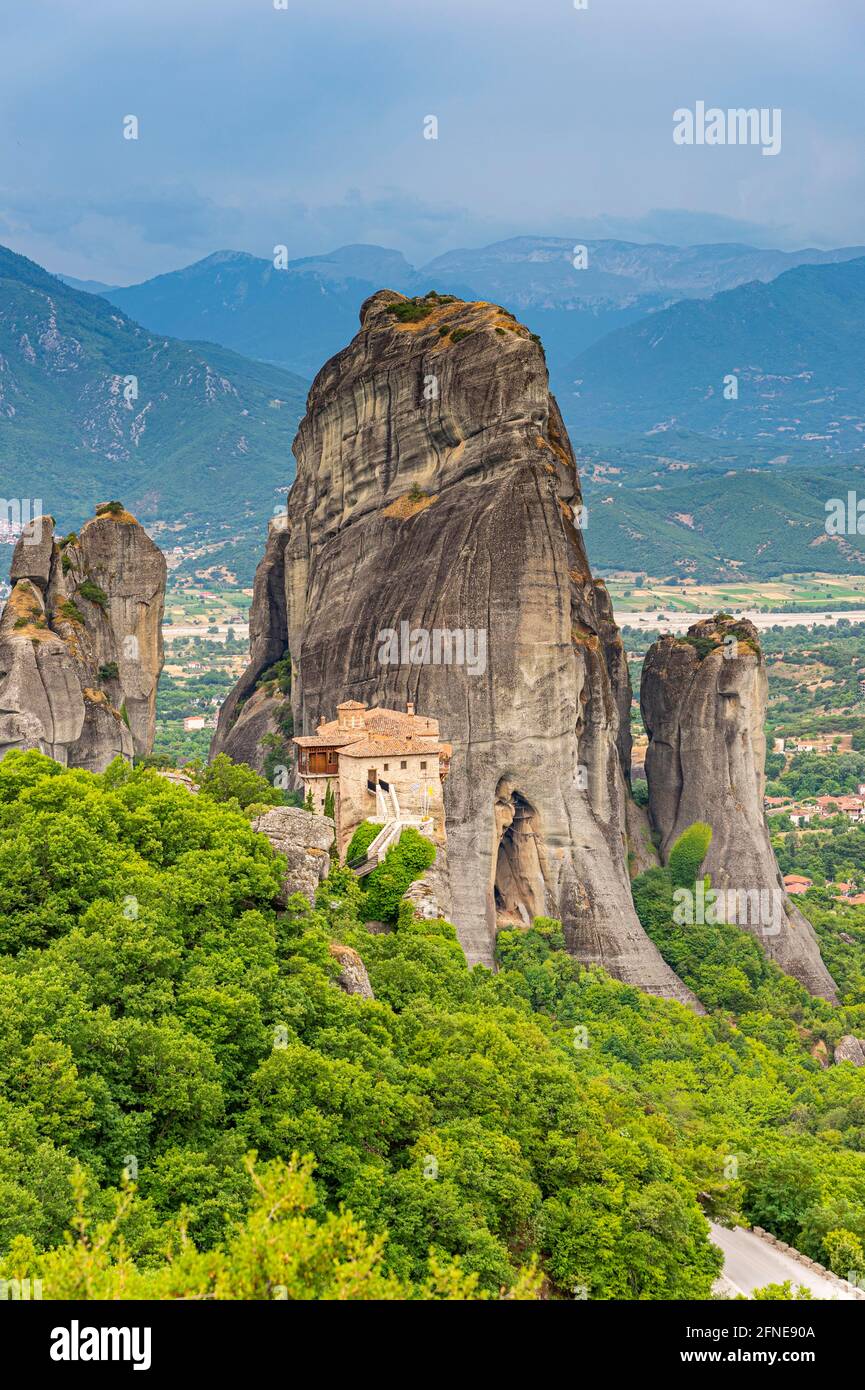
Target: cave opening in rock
x=518, y=887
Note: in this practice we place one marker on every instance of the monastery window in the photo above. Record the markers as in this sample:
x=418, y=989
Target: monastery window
x=423, y=765
x=403, y=764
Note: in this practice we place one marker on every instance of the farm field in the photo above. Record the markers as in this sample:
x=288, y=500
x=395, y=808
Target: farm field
x=788, y=593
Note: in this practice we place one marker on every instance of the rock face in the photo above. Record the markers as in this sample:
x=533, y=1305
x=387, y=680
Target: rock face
x=353, y=977
x=436, y=487
x=703, y=700
x=430, y=895
x=250, y=714
x=850, y=1049
x=305, y=840
x=81, y=641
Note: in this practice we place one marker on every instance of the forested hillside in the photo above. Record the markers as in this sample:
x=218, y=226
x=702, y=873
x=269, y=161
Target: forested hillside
x=544, y=1129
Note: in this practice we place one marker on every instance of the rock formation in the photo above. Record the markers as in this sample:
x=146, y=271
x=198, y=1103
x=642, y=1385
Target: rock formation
x=850, y=1049
x=305, y=840
x=436, y=486
x=250, y=713
x=81, y=641
x=353, y=977
x=703, y=700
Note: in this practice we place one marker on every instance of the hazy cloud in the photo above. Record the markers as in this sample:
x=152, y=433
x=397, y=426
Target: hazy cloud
x=305, y=126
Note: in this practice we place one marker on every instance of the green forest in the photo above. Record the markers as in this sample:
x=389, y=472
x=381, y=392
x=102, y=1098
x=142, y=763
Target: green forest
x=191, y=1107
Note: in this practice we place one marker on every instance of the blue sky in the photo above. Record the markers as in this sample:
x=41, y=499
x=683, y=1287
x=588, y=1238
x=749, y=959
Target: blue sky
x=304, y=126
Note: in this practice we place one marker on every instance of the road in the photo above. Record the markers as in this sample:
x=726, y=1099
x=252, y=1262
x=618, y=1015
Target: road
x=680, y=622
x=751, y=1262
x=170, y=630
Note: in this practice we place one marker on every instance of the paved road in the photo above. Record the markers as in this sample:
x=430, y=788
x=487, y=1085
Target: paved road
x=751, y=1262
x=680, y=622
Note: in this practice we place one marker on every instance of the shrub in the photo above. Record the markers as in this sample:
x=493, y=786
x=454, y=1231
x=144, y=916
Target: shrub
x=110, y=509
x=403, y=863
x=702, y=645
x=688, y=853
x=361, y=841
x=782, y=1293
x=844, y=1253
x=640, y=793
x=70, y=612
x=412, y=311
x=279, y=674
x=90, y=590
x=109, y=672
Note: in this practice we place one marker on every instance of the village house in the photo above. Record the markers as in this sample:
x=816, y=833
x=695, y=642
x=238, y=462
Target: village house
x=795, y=884
x=381, y=765
x=853, y=807
x=821, y=744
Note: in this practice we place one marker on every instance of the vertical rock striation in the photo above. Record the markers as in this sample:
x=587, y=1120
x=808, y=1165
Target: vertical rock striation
x=437, y=499
x=81, y=641
x=703, y=700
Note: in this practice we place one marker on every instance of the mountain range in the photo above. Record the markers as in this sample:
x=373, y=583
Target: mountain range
x=300, y=315
x=678, y=478
x=683, y=505
x=94, y=405
x=778, y=361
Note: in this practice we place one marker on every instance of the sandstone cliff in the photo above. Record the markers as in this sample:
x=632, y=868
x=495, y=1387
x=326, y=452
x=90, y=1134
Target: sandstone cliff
x=436, y=486
x=81, y=641
x=252, y=720
x=703, y=700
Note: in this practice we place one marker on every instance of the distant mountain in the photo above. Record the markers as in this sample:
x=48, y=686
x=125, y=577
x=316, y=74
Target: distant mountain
x=297, y=317
x=539, y=272
x=683, y=504
x=88, y=286
x=301, y=315
x=795, y=348
x=93, y=406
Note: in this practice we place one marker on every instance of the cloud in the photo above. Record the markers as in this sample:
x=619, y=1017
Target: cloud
x=304, y=127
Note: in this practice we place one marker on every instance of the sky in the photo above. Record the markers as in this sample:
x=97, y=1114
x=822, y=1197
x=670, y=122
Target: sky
x=304, y=126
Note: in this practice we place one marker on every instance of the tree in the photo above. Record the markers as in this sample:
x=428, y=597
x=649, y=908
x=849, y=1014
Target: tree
x=229, y=782
x=782, y=1293
x=845, y=1254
